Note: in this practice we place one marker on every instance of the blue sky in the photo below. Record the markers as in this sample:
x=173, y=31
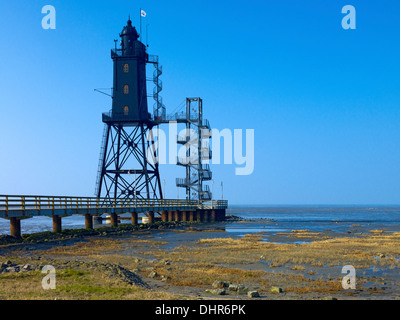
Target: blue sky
x=323, y=101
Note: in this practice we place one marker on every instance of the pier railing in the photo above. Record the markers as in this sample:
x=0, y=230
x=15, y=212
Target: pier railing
x=28, y=206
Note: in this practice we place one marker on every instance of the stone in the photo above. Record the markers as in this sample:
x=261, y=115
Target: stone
x=233, y=287
x=220, y=284
x=6, y=264
x=27, y=267
x=165, y=278
x=120, y=273
x=218, y=291
x=253, y=294
x=217, y=284
x=239, y=288
x=242, y=289
x=276, y=290
x=153, y=274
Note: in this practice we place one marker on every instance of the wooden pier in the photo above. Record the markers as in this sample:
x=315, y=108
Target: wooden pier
x=16, y=208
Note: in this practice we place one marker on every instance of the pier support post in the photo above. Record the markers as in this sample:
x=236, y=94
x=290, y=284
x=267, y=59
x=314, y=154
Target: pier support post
x=221, y=214
x=176, y=215
x=213, y=216
x=57, y=224
x=114, y=219
x=151, y=217
x=164, y=217
x=15, y=227
x=198, y=215
x=205, y=215
x=184, y=216
x=217, y=215
x=170, y=216
x=134, y=218
x=88, y=221
x=191, y=216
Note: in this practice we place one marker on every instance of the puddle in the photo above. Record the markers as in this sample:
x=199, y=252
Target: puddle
x=253, y=230
x=286, y=242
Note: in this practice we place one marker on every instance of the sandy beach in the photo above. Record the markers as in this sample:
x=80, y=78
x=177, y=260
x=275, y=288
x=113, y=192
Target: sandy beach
x=204, y=261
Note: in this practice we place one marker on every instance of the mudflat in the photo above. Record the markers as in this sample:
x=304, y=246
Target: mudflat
x=202, y=261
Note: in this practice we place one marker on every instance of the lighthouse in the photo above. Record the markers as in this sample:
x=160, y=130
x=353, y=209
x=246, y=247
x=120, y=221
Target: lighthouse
x=124, y=170
x=129, y=78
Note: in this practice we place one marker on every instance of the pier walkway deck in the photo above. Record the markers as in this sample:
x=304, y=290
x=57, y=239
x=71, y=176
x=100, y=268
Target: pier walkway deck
x=18, y=207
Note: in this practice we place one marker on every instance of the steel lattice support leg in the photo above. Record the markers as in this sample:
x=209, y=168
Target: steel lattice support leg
x=125, y=170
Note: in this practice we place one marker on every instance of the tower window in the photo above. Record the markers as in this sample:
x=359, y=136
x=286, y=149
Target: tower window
x=126, y=68
x=126, y=89
x=126, y=110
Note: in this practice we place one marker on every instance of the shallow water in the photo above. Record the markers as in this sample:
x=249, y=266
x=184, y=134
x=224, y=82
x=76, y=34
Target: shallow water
x=322, y=218
x=268, y=219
